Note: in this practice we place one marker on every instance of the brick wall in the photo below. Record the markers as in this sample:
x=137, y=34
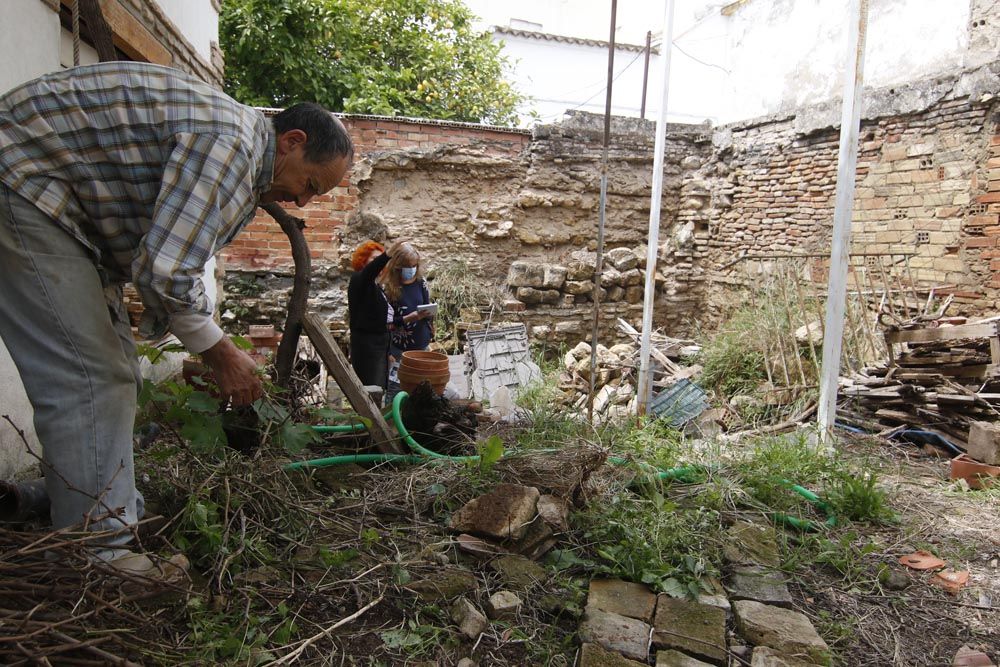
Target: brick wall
x=921, y=189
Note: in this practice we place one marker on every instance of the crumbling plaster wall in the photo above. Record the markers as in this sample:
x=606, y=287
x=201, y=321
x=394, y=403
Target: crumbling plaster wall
x=488, y=205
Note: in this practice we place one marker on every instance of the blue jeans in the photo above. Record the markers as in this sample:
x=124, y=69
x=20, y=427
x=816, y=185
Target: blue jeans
x=69, y=336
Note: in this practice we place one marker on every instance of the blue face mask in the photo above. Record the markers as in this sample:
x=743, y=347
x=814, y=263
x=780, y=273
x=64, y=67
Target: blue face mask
x=408, y=272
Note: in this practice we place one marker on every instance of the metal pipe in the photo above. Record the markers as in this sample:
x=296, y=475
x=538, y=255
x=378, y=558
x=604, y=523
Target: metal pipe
x=599, y=268
x=20, y=501
x=643, y=385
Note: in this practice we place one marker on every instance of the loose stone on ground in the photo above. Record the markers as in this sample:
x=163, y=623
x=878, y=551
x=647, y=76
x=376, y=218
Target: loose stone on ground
x=788, y=632
x=696, y=629
x=628, y=636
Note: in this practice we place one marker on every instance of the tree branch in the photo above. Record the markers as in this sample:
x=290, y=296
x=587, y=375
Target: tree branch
x=292, y=226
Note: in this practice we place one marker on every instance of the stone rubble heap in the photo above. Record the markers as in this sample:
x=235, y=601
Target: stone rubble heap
x=616, y=374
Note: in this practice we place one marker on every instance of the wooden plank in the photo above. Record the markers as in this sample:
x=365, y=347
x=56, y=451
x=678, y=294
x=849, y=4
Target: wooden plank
x=130, y=35
x=383, y=436
x=942, y=333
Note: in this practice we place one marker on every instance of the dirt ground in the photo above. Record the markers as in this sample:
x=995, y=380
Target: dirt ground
x=869, y=624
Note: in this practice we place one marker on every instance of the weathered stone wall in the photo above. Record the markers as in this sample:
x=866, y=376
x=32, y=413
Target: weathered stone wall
x=928, y=185
x=489, y=198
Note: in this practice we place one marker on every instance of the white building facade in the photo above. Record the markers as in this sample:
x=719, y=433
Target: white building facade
x=730, y=60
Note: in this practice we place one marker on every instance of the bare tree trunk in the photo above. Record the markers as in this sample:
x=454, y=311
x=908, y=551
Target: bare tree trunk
x=292, y=226
x=100, y=32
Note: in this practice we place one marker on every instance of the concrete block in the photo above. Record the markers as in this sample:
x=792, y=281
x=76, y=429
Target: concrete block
x=984, y=442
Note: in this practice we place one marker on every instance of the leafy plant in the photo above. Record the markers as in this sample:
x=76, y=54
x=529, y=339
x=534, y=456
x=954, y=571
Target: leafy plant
x=420, y=58
x=490, y=451
x=653, y=541
x=732, y=359
x=856, y=496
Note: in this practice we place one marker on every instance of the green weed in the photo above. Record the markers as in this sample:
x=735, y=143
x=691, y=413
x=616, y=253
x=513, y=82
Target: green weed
x=856, y=496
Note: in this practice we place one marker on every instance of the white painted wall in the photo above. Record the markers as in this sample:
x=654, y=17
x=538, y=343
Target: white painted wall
x=767, y=56
x=33, y=43
x=29, y=41
x=783, y=53
x=196, y=20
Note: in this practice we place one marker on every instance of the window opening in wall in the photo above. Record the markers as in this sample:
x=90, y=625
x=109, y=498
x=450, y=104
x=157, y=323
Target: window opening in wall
x=923, y=238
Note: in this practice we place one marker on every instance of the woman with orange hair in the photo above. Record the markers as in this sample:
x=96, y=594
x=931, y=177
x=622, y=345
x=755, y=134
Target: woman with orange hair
x=369, y=314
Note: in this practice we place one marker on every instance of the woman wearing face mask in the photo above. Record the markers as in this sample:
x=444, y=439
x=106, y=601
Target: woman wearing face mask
x=406, y=289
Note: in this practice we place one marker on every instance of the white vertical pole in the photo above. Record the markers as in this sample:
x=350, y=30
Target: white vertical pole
x=850, y=120
x=653, y=238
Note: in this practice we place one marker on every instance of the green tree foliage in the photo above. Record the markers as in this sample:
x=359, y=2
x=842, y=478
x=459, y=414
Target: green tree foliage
x=419, y=58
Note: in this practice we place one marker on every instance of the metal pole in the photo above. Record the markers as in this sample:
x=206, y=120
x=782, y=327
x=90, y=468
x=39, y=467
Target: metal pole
x=645, y=74
x=850, y=120
x=599, y=268
x=653, y=238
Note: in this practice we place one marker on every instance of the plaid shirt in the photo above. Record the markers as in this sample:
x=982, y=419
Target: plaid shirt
x=151, y=169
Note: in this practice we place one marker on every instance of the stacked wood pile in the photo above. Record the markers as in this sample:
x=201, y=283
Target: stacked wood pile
x=616, y=372
x=941, y=376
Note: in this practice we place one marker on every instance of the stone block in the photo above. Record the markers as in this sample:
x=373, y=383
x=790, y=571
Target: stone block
x=610, y=277
x=615, y=293
x=518, y=572
x=634, y=294
x=503, y=605
x=578, y=287
x=622, y=597
x=751, y=544
x=503, y=513
x=554, y=276
x=554, y=511
x=623, y=259
x=788, y=632
x=758, y=583
x=695, y=629
x=621, y=634
x=577, y=270
x=631, y=277
x=444, y=584
x=513, y=306
x=984, y=442
x=671, y=658
x=530, y=295
x=469, y=620
x=526, y=274
x=595, y=655
x=764, y=656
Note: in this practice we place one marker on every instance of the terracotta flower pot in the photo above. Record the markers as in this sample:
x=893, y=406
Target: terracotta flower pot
x=978, y=475
x=434, y=362
x=409, y=379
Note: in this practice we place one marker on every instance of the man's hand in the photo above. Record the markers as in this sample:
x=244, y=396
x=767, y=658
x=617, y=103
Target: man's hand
x=235, y=372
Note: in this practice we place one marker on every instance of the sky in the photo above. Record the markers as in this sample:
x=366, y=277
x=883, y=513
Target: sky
x=591, y=18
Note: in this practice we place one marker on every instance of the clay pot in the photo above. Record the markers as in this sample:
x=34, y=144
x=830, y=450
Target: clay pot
x=411, y=374
x=422, y=360
x=978, y=475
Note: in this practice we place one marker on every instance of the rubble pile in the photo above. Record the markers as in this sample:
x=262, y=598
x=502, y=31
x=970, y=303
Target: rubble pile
x=940, y=377
x=616, y=372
